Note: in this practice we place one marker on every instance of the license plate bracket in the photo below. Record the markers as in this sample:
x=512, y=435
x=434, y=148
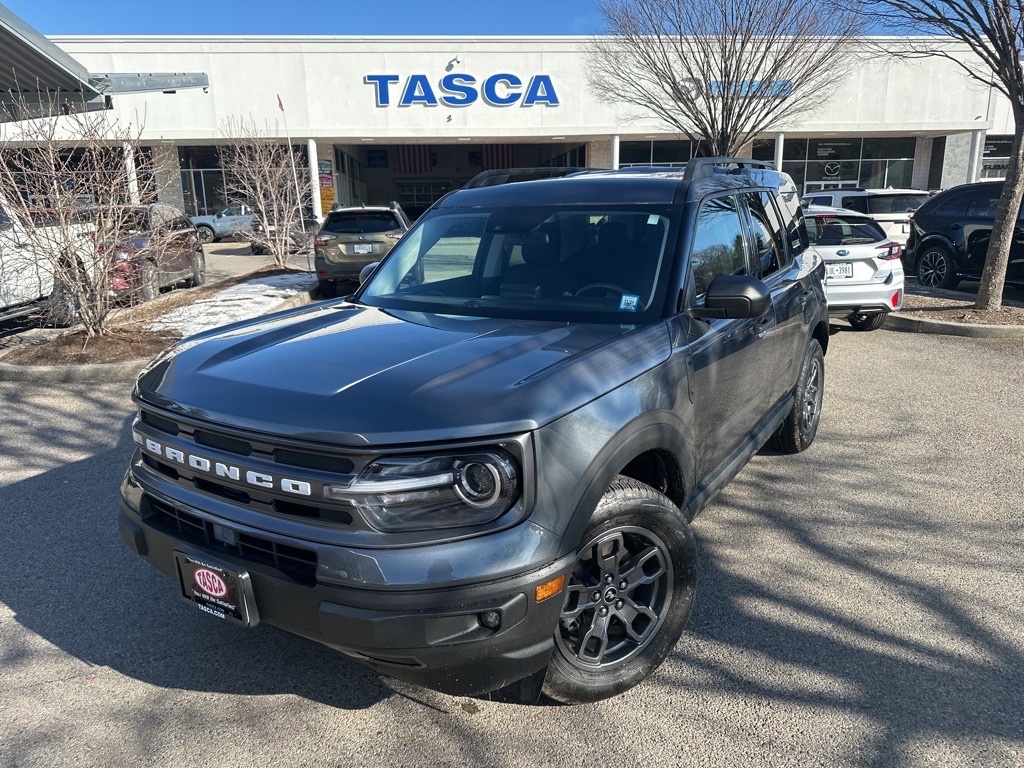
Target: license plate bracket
x=216, y=588
x=842, y=269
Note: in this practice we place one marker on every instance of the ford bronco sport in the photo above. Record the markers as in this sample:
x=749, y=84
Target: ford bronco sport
x=479, y=471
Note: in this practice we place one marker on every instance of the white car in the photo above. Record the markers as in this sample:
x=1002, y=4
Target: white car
x=864, y=275
x=892, y=208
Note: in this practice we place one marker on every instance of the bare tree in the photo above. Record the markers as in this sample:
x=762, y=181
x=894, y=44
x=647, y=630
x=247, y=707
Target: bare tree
x=723, y=71
x=68, y=185
x=992, y=30
x=270, y=176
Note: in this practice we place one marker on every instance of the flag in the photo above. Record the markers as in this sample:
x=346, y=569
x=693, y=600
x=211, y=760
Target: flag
x=279, y=104
x=413, y=158
x=498, y=156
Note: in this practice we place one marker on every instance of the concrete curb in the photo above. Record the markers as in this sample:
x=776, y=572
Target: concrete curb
x=898, y=322
x=107, y=372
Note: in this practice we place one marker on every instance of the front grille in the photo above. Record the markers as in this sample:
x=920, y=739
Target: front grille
x=222, y=443
x=296, y=562
x=261, y=457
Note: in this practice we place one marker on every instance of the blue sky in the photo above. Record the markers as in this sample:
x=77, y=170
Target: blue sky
x=308, y=17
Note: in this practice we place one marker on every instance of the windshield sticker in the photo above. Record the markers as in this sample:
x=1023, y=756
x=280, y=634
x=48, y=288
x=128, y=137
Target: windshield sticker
x=629, y=302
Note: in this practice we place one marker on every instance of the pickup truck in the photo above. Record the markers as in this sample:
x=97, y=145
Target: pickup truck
x=233, y=220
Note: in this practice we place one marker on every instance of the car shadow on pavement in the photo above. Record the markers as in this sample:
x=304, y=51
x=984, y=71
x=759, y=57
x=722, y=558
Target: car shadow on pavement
x=69, y=579
x=869, y=596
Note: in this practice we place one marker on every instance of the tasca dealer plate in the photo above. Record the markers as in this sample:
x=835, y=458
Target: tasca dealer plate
x=216, y=589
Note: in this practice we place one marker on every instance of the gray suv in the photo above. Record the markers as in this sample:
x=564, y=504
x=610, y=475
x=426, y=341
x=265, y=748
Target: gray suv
x=351, y=238
x=478, y=472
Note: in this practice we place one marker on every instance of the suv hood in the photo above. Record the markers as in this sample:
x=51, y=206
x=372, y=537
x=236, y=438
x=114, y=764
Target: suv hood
x=352, y=375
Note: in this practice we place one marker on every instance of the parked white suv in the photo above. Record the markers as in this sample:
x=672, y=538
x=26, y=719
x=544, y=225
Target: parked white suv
x=863, y=272
x=892, y=208
x=26, y=280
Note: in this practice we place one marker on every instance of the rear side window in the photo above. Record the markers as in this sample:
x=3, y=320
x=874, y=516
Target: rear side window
x=983, y=204
x=881, y=204
x=855, y=203
x=361, y=223
x=719, y=243
x=769, y=233
x=843, y=230
x=953, y=204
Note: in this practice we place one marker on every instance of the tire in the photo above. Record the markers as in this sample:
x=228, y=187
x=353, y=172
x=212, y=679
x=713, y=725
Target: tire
x=206, y=234
x=801, y=425
x=870, y=322
x=936, y=268
x=639, y=533
x=149, y=286
x=327, y=289
x=198, y=269
x=258, y=249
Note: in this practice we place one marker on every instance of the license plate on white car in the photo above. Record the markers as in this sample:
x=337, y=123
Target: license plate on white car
x=362, y=248
x=839, y=270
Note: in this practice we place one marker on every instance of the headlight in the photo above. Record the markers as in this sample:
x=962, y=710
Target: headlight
x=413, y=493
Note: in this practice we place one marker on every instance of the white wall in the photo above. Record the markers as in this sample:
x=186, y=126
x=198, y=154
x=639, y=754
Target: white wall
x=320, y=80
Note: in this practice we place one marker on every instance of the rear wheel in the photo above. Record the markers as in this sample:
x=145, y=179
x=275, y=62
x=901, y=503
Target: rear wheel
x=206, y=234
x=936, y=268
x=149, y=285
x=628, y=598
x=801, y=425
x=198, y=269
x=870, y=322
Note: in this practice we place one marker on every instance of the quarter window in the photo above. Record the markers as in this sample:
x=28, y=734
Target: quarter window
x=719, y=244
x=769, y=233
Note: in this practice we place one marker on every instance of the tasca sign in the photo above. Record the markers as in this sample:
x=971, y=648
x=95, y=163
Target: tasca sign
x=463, y=90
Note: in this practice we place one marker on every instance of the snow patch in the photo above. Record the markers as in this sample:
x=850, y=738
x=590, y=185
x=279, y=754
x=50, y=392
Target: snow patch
x=239, y=302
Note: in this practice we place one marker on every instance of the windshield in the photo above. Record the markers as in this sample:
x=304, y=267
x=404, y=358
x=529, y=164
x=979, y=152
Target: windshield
x=600, y=264
x=896, y=203
x=843, y=229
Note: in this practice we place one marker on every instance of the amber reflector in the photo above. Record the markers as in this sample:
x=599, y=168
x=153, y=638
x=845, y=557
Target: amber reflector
x=550, y=588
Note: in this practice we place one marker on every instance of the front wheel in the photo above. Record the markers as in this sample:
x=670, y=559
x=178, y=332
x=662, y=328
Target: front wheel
x=801, y=425
x=206, y=234
x=149, y=284
x=628, y=598
x=198, y=269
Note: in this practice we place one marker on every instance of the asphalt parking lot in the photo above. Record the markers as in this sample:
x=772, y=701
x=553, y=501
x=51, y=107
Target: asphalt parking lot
x=860, y=605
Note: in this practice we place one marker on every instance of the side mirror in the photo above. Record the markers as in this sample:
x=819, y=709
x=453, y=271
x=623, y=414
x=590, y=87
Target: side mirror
x=365, y=272
x=734, y=297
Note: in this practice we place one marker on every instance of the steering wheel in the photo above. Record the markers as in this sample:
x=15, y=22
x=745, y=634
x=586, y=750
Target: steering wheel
x=602, y=286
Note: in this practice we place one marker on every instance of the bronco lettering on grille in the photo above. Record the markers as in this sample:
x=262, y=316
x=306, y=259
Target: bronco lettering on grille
x=229, y=471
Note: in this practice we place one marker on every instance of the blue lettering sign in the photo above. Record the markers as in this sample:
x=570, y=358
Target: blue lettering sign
x=418, y=91
x=380, y=85
x=540, y=91
x=510, y=82
x=458, y=89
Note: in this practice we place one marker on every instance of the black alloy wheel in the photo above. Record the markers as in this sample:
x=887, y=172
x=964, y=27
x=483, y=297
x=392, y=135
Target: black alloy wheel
x=628, y=598
x=801, y=425
x=936, y=269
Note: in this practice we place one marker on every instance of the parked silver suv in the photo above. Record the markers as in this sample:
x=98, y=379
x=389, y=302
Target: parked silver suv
x=352, y=238
x=892, y=208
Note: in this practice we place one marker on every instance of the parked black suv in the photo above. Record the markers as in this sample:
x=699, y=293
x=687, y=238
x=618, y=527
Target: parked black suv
x=478, y=472
x=949, y=237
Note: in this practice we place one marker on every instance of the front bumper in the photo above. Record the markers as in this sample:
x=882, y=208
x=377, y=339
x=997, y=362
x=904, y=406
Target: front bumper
x=435, y=636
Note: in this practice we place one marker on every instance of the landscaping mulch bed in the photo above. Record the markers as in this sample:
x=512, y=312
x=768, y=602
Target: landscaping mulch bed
x=955, y=310
x=127, y=338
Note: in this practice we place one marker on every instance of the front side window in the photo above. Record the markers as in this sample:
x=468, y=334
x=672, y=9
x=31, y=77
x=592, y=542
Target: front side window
x=580, y=263
x=855, y=203
x=984, y=204
x=719, y=243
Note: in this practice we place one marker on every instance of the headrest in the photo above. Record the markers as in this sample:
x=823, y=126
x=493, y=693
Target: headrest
x=613, y=235
x=538, y=250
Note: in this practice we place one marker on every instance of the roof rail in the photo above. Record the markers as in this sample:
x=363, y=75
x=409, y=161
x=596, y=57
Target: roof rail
x=498, y=176
x=702, y=167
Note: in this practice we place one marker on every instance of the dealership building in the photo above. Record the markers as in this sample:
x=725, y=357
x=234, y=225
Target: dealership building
x=409, y=118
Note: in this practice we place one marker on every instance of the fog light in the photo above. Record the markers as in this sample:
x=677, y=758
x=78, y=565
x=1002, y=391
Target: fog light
x=490, y=619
